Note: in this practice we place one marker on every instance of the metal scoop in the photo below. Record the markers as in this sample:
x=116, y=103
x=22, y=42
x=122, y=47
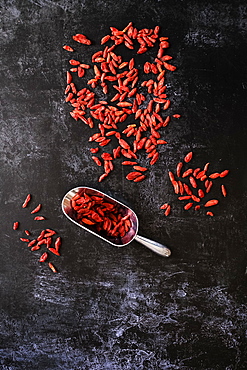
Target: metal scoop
x=116, y=241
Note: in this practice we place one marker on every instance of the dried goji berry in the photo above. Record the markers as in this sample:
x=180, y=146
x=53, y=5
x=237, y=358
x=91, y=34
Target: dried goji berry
x=15, y=225
x=44, y=257
x=27, y=200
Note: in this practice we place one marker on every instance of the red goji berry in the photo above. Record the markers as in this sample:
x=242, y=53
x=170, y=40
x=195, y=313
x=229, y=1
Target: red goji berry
x=32, y=242
x=52, y=267
x=140, y=168
x=188, y=157
x=209, y=213
x=27, y=200
x=133, y=175
x=81, y=39
x=44, y=257
x=211, y=203
x=188, y=206
x=68, y=48
x=224, y=173
x=139, y=178
x=35, y=248
x=168, y=210
x=179, y=168
x=223, y=190
x=15, y=225
x=58, y=243
x=37, y=209
x=214, y=175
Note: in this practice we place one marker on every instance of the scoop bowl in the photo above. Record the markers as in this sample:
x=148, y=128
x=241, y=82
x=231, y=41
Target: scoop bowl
x=126, y=212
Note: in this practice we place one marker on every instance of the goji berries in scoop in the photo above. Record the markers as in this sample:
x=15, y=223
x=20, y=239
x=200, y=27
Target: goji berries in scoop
x=100, y=215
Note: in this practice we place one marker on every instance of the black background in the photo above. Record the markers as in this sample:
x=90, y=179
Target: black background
x=123, y=308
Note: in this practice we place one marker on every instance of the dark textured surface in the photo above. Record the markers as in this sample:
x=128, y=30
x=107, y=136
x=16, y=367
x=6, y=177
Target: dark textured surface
x=126, y=308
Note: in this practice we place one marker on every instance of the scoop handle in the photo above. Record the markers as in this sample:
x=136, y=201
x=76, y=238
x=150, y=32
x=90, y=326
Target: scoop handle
x=154, y=246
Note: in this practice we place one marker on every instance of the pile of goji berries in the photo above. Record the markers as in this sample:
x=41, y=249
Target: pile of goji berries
x=44, y=238
x=193, y=184
x=133, y=117
x=145, y=103
x=101, y=216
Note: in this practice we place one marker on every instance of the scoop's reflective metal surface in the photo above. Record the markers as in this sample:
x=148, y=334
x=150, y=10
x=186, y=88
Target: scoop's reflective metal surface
x=118, y=242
